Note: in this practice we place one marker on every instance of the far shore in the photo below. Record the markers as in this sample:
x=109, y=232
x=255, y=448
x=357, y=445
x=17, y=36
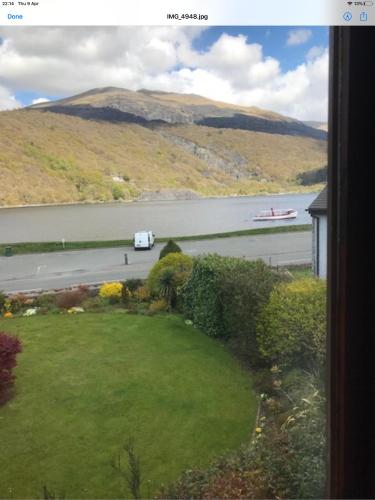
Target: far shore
x=317, y=189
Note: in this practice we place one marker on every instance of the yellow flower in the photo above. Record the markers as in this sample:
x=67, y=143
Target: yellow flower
x=111, y=290
x=8, y=314
x=258, y=430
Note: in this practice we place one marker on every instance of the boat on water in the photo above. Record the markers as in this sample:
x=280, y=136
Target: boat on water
x=276, y=214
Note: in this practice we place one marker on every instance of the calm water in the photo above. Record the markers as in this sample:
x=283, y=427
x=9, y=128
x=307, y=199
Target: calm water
x=165, y=218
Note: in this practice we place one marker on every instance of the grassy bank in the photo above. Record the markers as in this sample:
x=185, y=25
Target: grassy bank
x=56, y=246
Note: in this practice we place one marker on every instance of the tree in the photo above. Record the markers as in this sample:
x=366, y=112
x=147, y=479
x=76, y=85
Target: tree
x=179, y=263
x=170, y=247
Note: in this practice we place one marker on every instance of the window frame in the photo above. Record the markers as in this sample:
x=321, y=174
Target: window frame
x=350, y=339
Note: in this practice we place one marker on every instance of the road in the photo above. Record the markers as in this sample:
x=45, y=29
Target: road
x=50, y=271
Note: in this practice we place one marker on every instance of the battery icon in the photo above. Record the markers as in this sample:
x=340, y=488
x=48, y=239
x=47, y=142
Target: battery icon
x=369, y=4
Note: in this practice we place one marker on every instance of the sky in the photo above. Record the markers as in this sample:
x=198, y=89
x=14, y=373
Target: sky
x=283, y=69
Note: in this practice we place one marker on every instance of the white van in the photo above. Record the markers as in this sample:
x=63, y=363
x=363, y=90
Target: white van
x=144, y=239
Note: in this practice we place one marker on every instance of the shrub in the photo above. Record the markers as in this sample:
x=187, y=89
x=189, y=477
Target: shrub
x=93, y=304
x=291, y=328
x=125, y=294
x=181, y=265
x=243, y=291
x=17, y=302
x=223, y=295
x=117, y=192
x=305, y=427
x=168, y=286
x=9, y=348
x=201, y=298
x=3, y=299
x=45, y=300
x=158, y=306
x=73, y=298
x=170, y=247
x=84, y=289
x=142, y=294
x=133, y=284
x=201, y=302
x=111, y=291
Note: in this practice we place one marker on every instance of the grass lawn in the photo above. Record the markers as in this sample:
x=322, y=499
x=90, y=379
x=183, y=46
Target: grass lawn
x=301, y=272
x=87, y=383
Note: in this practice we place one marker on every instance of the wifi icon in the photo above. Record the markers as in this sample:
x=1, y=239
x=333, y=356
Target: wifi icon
x=349, y=3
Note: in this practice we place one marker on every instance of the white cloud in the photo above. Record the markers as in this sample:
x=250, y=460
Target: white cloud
x=315, y=52
x=298, y=37
x=40, y=100
x=66, y=61
x=7, y=100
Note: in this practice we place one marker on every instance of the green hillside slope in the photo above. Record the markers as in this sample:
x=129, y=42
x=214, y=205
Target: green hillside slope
x=53, y=157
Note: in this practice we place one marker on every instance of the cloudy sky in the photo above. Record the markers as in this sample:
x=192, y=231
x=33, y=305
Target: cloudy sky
x=281, y=69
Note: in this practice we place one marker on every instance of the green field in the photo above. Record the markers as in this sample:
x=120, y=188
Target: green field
x=87, y=383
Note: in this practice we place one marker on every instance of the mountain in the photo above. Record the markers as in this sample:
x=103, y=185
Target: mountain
x=317, y=125
x=147, y=107
x=114, y=143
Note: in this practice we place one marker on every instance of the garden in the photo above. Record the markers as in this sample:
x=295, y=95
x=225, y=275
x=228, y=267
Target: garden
x=205, y=380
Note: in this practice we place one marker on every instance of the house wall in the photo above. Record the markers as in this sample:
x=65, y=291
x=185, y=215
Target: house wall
x=315, y=239
x=322, y=246
x=319, y=245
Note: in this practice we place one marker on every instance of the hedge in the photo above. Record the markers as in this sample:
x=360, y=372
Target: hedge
x=291, y=328
x=223, y=297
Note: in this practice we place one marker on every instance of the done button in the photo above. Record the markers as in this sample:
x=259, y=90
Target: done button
x=15, y=17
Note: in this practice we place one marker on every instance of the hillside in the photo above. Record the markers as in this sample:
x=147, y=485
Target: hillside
x=116, y=144
x=318, y=125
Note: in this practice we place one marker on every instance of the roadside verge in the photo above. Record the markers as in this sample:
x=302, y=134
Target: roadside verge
x=58, y=246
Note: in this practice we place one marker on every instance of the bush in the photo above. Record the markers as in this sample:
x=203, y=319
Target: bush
x=291, y=328
x=201, y=301
x=170, y=247
x=125, y=294
x=133, y=284
x=45, y=301
x=9, y=348
x=305, y=427
x=243, y=291
x=93, y=304
x=223, y=296
x=142, y=294
x=18, y=302
x=158, y=306
x=3, y=299
x=73, y=298
x=117, y=192
x=111, y=291
x=181, y=265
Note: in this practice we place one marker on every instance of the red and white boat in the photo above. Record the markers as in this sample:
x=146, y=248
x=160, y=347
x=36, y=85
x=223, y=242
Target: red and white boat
x=276, y=214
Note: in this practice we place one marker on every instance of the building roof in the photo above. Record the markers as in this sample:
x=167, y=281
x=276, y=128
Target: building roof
x=319, y=205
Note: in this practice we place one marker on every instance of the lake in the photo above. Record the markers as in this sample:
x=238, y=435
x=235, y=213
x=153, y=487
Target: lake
x=164, y=218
